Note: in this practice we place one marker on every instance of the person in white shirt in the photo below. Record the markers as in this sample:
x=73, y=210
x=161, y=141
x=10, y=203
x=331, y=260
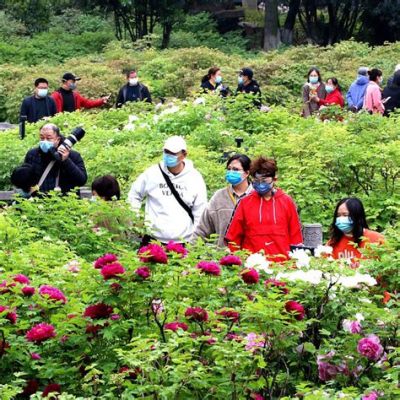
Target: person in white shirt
x=172, y=216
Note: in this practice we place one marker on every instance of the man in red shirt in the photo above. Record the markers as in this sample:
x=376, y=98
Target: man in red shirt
x=69, y=100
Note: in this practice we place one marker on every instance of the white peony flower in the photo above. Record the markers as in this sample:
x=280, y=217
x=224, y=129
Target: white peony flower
x=200, y=101
x=301, y=256
x=359, y=317
x=258, y=262
x=312, y=276
x=323, y=250
x=170, y=110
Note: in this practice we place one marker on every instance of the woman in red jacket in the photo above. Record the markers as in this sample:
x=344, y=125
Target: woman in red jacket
x=334, y=94
x=267, y=218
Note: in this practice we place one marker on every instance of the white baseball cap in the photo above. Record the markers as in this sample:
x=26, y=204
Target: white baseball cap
x=175, y=144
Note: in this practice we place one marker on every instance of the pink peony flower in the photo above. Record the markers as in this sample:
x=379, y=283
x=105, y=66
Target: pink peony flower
x=20, y=278
x=98, y=311
x=5, y=287
x=257, y=396
x=233, y=336
x=153, y=253
x=296, y=308
x=229, y=314
x=157, y=306
x=52, y=293
x=73, y=266
x=230, y=259
x=110, y=271
x=11, y=316
x=115, y=317
x=176, y=248
x=250, y=276
x=370, y=347
x=278, y=284
x=197, y=314
x=104, y=260
x=352, y=326
x=35, y=356
x=254, y=341
x=143, y=272
x=51, y=388
x=326, y=371
x=370, y=396
x=174, y=326
x=209, y=268
x=28, y=290
x=40, y=332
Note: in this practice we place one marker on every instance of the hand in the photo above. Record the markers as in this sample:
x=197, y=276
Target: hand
x=315, y=98
x=106, y=98
x=64, y=152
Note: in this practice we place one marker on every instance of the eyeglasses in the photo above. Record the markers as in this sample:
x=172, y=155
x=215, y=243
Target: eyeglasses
x=267, y=179
x=234, y=169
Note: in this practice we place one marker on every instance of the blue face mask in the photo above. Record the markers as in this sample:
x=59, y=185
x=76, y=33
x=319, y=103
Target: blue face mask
x=313, y=79
x=240, y=80
x=262, y=188
x=72, y=86
x=345, y=224
x=170, y=160
x=329, y=88
x=234, y=177
x=45, y=145
x=218, y=79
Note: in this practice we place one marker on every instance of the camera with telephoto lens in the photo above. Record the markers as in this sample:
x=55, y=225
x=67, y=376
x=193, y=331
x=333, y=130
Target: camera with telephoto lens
x=75, y=136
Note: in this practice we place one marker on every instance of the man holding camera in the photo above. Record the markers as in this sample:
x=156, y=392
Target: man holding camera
x=55, y=165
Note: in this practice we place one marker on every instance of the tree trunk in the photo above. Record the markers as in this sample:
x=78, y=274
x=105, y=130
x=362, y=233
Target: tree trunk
x=250, y=4
x=167, y=29
x=288, y=27
x=271, y=29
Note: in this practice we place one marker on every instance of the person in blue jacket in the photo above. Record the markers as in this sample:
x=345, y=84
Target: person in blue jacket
x=356, y=93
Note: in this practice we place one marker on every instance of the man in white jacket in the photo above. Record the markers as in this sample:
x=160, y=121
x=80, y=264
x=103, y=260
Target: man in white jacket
x=171, y=216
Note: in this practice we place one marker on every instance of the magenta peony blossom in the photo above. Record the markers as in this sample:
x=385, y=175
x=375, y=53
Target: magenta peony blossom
x=35, y=356
x=326, y=371
x=115, y=317
x=176, y=248
x=5, y=287
x=40, y=332
x=295, y=308
x=250, y=276
x=98, y=311
x=110, y=271
x=352, y=326
x=51, y=388
x=370, y=396
x=230, y=259
x=278, y=284
x=20, y=278
x=229, y=314
x=28, y=290
x=52, y=293
x=370, y=347
x=11, y=316
x=209, y=268
x=174, y=326
x=143, y=272
x=153, y=253
x=104, y=260
x=197, y=314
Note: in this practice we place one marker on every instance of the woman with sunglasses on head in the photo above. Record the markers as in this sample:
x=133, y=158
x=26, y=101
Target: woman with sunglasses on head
x=349, y=230
x=267, y=218
x=216, y=216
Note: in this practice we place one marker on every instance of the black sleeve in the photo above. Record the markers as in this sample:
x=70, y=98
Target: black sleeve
x=146, y=94
x=73, y=169
x=24, y=108
x=120, y=98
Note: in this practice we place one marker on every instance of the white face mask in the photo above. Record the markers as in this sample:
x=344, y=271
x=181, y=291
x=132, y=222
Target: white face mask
x=133, y=81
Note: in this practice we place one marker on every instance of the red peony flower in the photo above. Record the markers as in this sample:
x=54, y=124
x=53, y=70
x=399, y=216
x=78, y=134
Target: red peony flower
x=197, y=314
x=98, y=311
x=178, y=248
x=132, y=373
x=143, y=272
x=278, y=284
x=31, y=387
x=115, y=287
x=296, y=308
x=230, y=259
x=174, y=326
x=52, y=293
x=28, y=290
x=153, y=253
x=93, y=329
x=229, y=314
x=110, y=271
x=51, y=388
x=20, y=278
x=104, y=260
x=3, y=347
x=209, y=268
x=40, y=332
x=11, y=316
x=250, y=276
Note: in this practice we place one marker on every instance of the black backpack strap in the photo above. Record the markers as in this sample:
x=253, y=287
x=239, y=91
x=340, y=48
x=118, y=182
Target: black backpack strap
x=176, y=194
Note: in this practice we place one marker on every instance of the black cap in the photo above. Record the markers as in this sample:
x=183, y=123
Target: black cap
x=247, y=72
x=68, y=76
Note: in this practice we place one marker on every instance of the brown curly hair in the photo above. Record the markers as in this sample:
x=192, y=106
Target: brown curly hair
x=263, y=165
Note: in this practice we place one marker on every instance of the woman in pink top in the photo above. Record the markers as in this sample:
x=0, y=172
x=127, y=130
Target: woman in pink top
x=373, y=96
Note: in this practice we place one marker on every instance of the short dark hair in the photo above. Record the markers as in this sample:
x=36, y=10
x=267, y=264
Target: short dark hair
x=41, y=80
x=54, y=128
x=243, y=159
x=106, y=187
x=357, y=215
x=374, y=73
x=263, y=165
x=130, y=71
x=313, y=69
x=23, y=177
x=396, y=79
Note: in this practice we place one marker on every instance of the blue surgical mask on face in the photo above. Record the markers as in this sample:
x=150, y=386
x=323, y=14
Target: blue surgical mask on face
x=240, y=80
x=345, y=224
x=42, y=92
x=170, y=160
x=45, y=145
x=218, y=79
x=313, y=79
x=329, y=88
x=262, y=188
x=234, y=177
x=72, y=86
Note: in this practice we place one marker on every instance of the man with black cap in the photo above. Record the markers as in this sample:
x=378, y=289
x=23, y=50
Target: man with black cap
x=355, y=95
x=246, y=84
x=69, y=100
x=133, y=90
